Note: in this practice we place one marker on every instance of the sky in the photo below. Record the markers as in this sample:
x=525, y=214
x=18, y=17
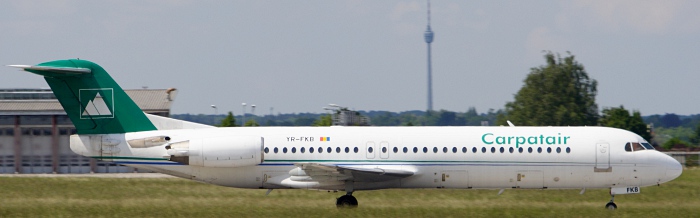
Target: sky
x=299, y=56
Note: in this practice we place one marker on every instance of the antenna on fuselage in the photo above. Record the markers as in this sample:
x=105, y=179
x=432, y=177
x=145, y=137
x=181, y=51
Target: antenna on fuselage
x=510, y=124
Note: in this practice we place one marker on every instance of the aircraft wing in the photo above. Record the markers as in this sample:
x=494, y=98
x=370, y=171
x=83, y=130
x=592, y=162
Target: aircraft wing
x=354, y=173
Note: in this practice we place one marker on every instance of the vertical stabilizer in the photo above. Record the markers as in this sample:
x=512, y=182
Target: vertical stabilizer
x=92, y=99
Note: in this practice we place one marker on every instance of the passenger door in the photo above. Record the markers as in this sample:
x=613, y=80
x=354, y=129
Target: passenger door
x=602, y=158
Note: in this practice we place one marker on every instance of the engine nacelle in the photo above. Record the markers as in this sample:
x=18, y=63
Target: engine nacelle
x=224, y=151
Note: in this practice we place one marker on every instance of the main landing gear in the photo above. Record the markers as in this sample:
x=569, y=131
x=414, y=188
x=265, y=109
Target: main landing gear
x=611, y=205
x=346, y=201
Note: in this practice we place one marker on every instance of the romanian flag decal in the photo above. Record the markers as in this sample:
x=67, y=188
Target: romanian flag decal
x=325, y=139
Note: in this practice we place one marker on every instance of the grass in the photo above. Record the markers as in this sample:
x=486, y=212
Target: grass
x=168, y=197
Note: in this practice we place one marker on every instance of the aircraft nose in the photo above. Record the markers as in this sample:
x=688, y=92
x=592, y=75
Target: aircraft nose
x=673, y=168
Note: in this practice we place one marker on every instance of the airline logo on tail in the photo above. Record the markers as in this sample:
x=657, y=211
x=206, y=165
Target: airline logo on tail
x=97, y=103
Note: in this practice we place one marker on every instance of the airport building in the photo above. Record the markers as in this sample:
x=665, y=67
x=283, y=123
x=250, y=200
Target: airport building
x=35, y=131
x=342, y=116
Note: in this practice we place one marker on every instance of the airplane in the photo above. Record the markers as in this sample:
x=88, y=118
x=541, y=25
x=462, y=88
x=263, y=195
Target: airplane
x=111, y=127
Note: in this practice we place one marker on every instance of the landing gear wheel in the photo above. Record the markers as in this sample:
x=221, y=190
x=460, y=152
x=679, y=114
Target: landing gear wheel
x=611, y=206
x=346, y=201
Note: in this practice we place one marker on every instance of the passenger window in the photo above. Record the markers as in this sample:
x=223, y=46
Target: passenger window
x=396, y=150
x=493, y=150
x=329, y=150
x=529, y=150
x=464, y=149
x=415, y=150
x=511, y=150
x=284, y=150
x=520, y=149
x=549, y=150
x=267, y=150
x=501, y=150
x=370, y=149
x=347, y=150
x=405, y=150
x=302, y=149
x=311, y=150
x=539, y=150
x=444, y=149
x=276, y=150
x=383, y=149
x=483, y=149
x=425, y=149
x=454, y=149
x=568, y=150
x=294, y=150
x=558, y=150
x=337, y=149
x=355, y=150
x=434, y=150
x=320, y=149
x=474, y=150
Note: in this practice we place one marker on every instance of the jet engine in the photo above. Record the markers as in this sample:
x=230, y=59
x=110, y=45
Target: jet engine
x=224, y=151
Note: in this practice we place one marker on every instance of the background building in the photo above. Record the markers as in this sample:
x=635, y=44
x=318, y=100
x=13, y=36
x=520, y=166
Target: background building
x=349, y=118
x=342, y=116
x=35, y=131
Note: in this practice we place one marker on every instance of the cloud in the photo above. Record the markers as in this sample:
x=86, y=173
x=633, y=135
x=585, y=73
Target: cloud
x=403, y=8
x=642, y=16
x=30, y=17
x=452, y=14
x=542, y=39
x=43, y=8
x=479, y=21
x=404, y=15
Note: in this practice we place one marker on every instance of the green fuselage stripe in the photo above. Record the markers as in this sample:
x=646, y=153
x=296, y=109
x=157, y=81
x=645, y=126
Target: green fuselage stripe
x=354, y=161
x=127, y=158
x=422, y=161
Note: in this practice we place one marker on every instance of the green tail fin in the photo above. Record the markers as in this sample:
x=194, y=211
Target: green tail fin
x=92, y=99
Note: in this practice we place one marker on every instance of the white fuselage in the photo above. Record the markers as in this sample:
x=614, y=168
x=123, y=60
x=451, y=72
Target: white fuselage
x=438, y=157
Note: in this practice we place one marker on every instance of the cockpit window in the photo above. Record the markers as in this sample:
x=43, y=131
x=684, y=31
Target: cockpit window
x=636, y=146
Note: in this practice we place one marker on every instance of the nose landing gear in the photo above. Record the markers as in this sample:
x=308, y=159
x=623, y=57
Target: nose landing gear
x=611, y=205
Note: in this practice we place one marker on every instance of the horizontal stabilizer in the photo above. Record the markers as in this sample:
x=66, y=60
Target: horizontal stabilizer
x=65, y=70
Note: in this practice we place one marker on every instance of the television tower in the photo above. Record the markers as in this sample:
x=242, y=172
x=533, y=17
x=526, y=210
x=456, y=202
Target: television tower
x=429, y=39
